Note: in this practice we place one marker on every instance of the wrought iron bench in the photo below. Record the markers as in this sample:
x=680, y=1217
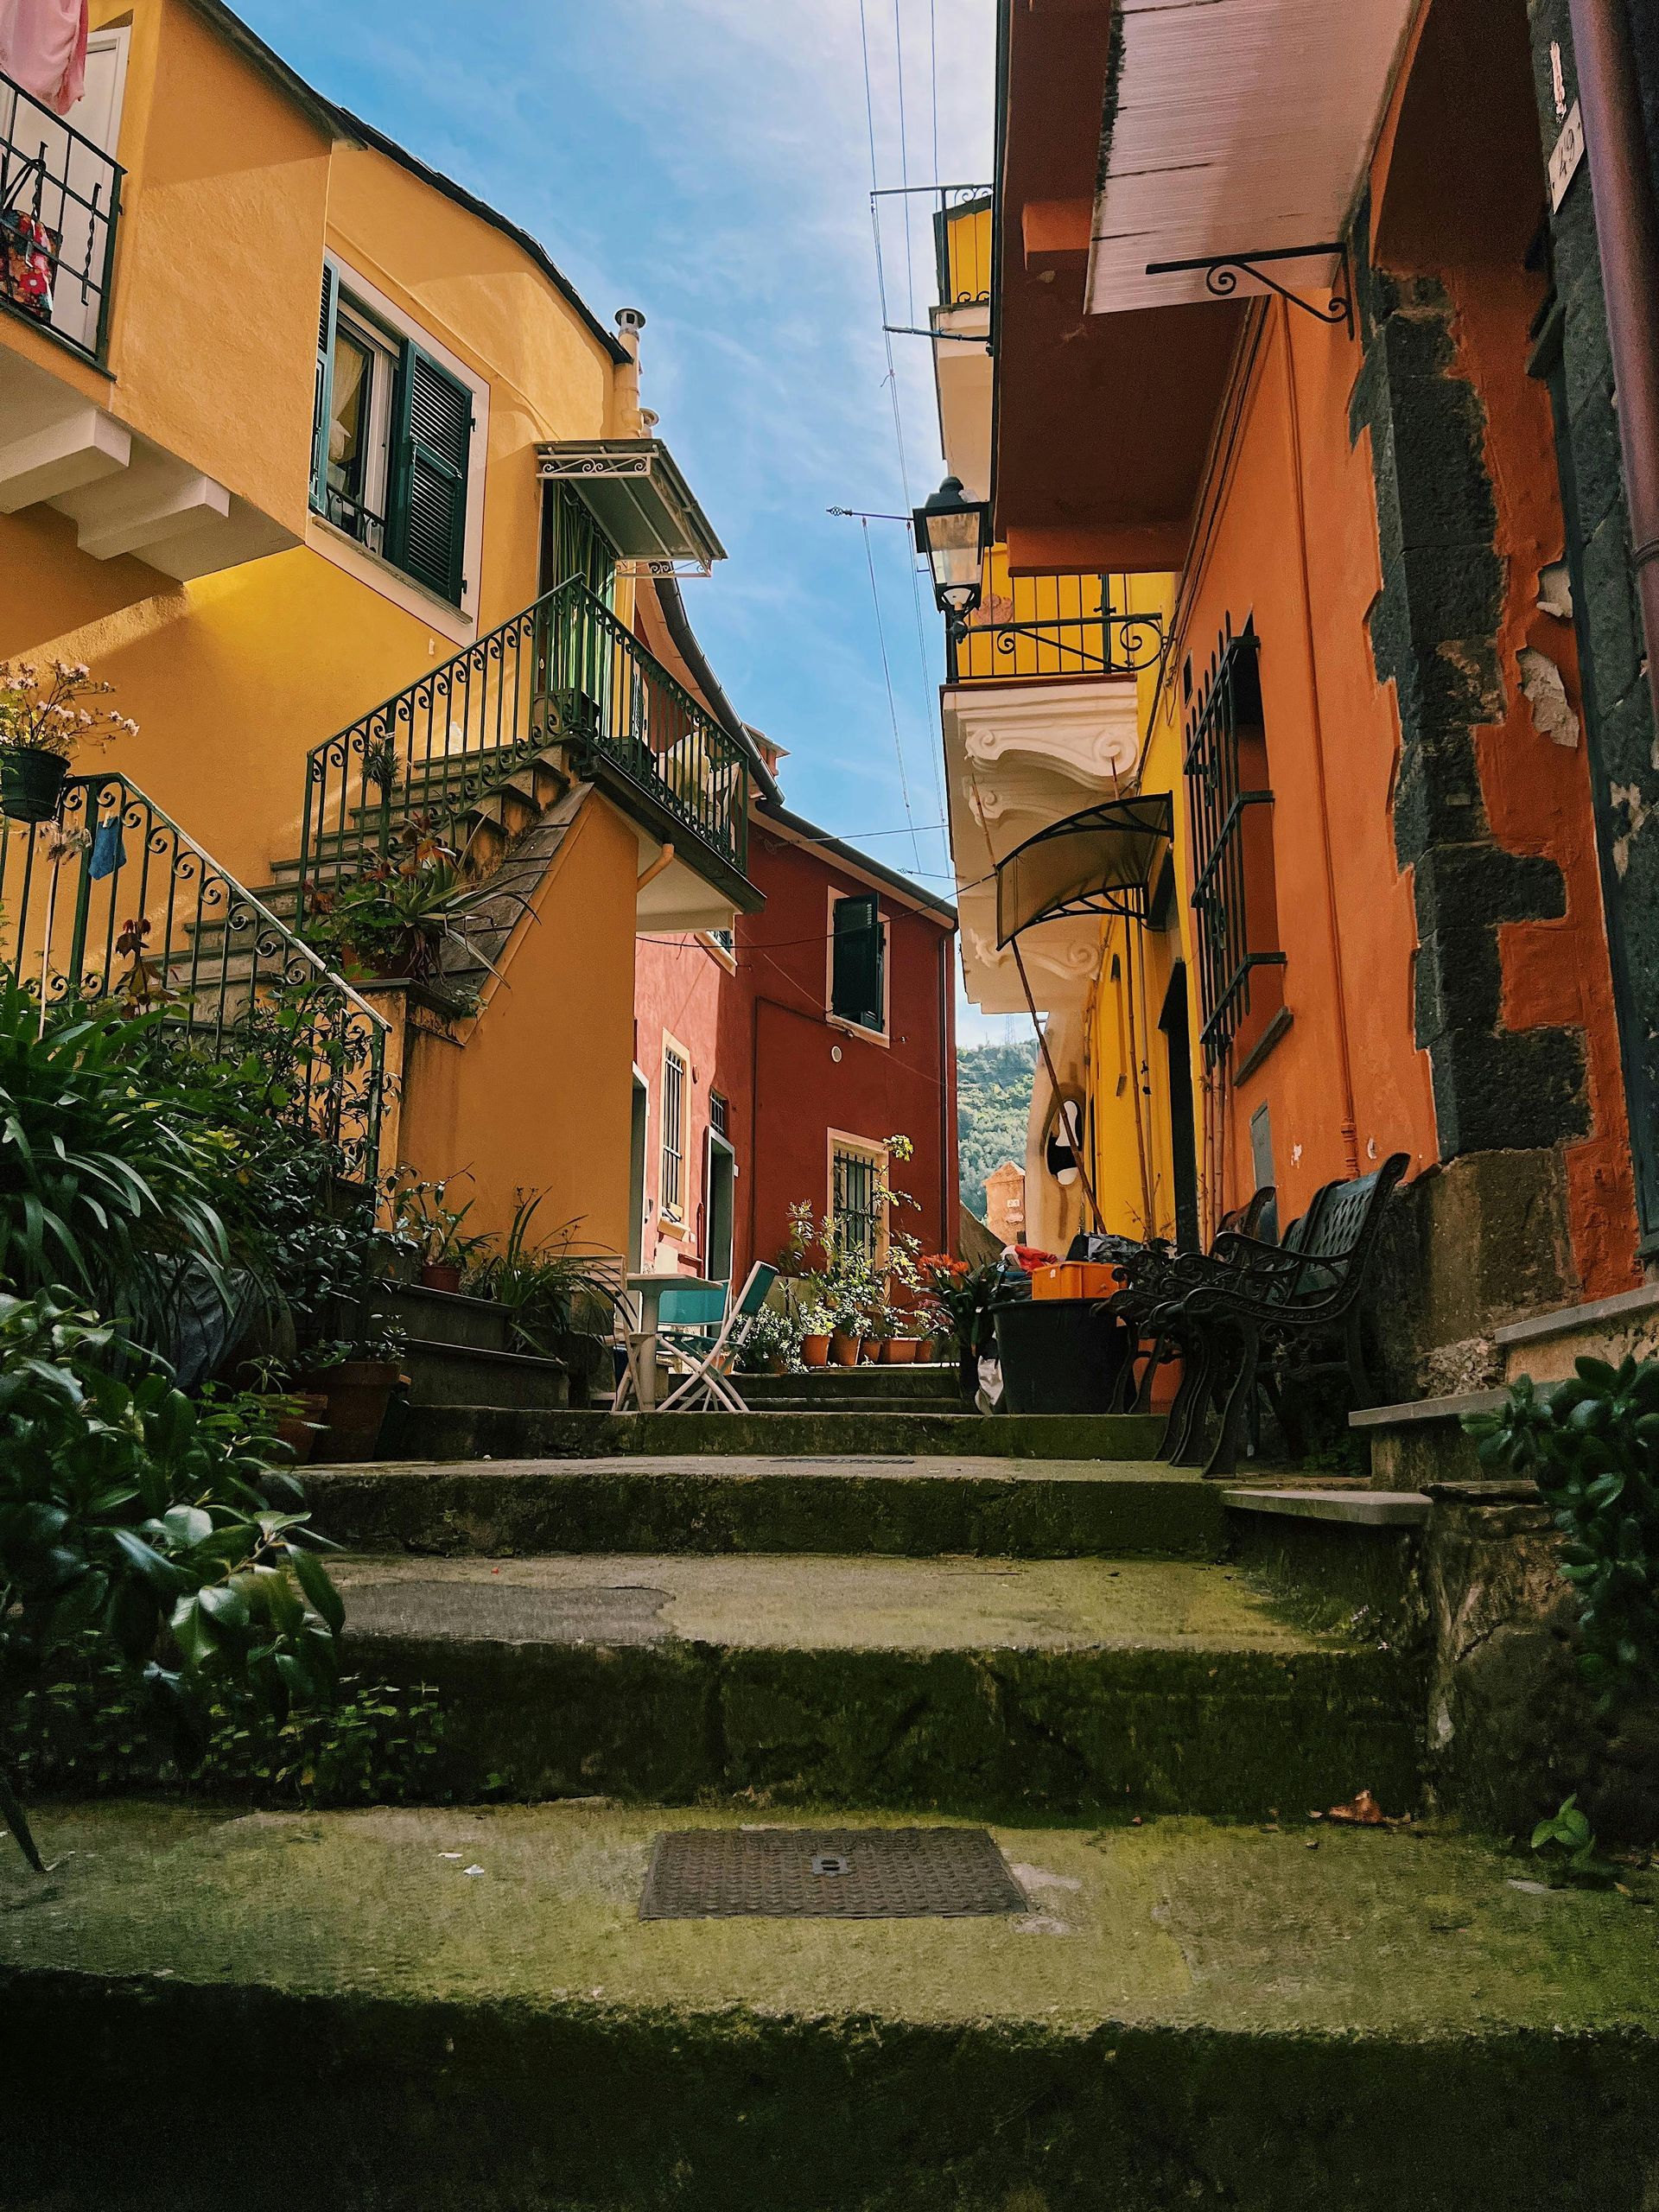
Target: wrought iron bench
x=1147, y=1308
x=1265, y=1318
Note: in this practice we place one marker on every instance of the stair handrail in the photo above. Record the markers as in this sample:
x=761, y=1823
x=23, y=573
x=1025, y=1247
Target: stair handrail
x=479, y=678
x=180, y=883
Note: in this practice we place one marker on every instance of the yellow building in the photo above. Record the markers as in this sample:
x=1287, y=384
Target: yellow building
x=329, y=470
x=1048, y=691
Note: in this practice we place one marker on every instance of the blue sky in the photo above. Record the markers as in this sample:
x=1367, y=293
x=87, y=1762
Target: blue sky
x=709, y=162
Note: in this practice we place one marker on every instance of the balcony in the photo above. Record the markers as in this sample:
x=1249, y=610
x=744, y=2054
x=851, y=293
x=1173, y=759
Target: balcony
x=60, y=204
x=564, y=678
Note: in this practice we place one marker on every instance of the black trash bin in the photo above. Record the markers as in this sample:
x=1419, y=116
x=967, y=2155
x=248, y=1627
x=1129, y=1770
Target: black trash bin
x=1058, y=1355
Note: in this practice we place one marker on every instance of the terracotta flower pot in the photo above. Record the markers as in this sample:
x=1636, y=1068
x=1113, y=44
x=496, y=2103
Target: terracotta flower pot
x=439, y=1274
x=815, y=1351
x=776, y=1363
x=843, y=1349
x=925, y=1350
x=31, y=783
x=899, y=1351
x=358, y=1392
x=300, y=1432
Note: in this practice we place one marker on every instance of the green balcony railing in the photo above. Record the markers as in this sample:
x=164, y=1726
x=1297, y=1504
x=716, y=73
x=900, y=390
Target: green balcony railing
x=113, y=901
x=566, y=672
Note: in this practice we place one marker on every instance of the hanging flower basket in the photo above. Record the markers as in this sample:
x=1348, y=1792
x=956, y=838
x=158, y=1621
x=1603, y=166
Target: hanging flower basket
x=31, y=782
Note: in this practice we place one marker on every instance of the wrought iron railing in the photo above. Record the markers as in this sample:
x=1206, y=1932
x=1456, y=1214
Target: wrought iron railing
x=113, y=901
x=60, y=203
x=563, y=672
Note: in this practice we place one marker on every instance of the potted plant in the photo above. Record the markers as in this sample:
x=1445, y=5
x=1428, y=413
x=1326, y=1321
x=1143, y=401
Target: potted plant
x=354, y=1377
x=772, y=1344
x=432, y=1229
x=815, y=1324
x=960, y=1297
x=562, y=1295
x=43, y=718
x=392, y=920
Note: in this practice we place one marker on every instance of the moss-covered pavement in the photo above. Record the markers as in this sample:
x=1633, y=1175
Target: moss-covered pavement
x=458, y=2007
x=841, y=1502
x=967, y=1685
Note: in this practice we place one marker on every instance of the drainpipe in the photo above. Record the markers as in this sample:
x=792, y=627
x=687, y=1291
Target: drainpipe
x=664, y=859
x=1627, y=234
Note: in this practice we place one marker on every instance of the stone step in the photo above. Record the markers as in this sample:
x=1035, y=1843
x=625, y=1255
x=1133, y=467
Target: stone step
x=462, y=2007
x=446, y=1316
x=442, y=1376
x=862, y=1388
x=491, y=1431
x=1062, y=1688
x=1422, y=1441
x=1049, y=1508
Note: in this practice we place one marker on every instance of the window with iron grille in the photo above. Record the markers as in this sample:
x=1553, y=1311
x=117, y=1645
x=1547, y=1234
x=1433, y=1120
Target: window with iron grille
x=717, y=1112
x=858, y=1203
x=1229, y=808
x=671, y=1197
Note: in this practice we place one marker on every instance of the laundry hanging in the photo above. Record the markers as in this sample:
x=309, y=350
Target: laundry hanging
x=108, y=852
x=43, y=49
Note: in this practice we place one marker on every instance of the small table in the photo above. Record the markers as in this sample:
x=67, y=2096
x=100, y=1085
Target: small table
x=642, y=1342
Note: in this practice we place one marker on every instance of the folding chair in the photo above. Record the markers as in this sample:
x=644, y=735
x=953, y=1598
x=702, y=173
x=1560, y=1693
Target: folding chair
x=709, y=1384
x=689, y=1323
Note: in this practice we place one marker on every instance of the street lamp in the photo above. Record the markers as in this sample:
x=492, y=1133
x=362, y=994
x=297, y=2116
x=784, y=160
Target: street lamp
x=954, y=533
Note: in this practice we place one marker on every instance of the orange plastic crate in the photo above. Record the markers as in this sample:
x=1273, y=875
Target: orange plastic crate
x=1075, y=1279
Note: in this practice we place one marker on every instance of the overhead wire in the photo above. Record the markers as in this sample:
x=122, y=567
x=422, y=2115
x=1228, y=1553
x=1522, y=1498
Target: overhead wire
x=892, y=705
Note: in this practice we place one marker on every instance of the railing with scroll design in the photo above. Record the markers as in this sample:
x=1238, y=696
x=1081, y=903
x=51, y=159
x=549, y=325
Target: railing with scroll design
x=59, y=202
x=113, y=901
x=962, y=244
x=565, y=671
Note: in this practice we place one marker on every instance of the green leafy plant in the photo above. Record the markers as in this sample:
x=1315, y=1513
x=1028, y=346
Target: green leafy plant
x=1592, y=1446
x=553, y=1287
x=395, y=917
x=1568, y=1847
x=109, y=1170
x=428, y=1225
x=127, y=1516
x=773, y=1334
x=957, y=1299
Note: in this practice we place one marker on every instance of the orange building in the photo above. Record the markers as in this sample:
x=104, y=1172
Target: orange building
x=1332, y=337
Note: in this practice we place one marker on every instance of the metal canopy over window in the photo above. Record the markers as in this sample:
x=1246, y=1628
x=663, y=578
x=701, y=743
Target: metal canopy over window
x=639, y=499
x=1099, y=862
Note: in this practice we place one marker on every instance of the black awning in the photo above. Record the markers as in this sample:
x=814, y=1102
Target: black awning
x=1100, y=861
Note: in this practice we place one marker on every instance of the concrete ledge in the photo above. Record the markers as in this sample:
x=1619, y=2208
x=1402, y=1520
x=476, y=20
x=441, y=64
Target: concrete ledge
x=1538, y=1328
x=1374, y=1509
x=1428, y=1409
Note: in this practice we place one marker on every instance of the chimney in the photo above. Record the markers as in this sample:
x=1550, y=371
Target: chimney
x=629, y=324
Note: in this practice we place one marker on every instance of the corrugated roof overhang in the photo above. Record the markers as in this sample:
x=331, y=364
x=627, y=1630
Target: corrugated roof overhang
x=638, y=497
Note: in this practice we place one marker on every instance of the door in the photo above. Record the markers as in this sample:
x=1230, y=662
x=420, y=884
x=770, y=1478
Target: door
x=719, y=1208
x=1178, y=1045
x=74, y=187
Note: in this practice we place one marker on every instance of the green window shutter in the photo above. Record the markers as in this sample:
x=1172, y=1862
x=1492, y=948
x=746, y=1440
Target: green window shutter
x=855, y=991
x=323, y=407
x=427, y=525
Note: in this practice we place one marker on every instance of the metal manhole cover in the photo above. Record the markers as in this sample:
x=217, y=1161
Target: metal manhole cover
x=827, y=1873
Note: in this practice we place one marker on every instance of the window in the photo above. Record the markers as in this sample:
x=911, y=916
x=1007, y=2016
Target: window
x=726, y=941
x=858, y=1198
x=858, y=963
x=1229, y=804
x=670, y=1197
x=718, y=1110
x=392, y=433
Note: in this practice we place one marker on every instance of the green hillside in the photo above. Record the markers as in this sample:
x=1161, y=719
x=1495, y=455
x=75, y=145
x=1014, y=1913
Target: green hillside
x=993, y=1100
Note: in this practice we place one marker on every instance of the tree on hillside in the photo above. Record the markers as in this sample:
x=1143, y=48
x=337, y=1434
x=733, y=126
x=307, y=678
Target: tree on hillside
x=992, y=1103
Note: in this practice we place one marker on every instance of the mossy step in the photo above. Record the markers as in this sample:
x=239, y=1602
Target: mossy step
x=507, y=1432
x=934, y=1384
x=1021, y=1509
x=1023, y=1687
x=456, y=2008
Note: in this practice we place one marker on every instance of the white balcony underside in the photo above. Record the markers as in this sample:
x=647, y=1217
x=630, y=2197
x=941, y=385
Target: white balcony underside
x=124, y=495
x=1018, y=758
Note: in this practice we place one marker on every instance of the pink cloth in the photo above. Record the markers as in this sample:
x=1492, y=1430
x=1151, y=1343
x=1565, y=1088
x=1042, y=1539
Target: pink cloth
x=43, y=49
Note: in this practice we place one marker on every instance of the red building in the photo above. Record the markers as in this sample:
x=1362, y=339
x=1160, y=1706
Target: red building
x=775, y=1065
